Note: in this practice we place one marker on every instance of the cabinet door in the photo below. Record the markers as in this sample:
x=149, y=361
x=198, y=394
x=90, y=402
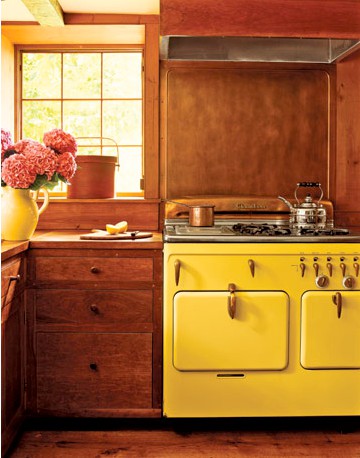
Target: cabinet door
x=12, y=368
x=207, y=338
x=326, y=340
x=90, y=373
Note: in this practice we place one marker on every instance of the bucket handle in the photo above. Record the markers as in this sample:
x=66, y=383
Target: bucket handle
x=105, y=138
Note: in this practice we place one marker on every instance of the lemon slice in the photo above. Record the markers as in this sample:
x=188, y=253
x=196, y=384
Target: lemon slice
x=111, y=229
x=122, y=226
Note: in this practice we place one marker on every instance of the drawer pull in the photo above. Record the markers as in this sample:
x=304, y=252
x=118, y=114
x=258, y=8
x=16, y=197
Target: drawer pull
x=93, y=367
x=232, y=300
x=252, y=267
x=337, y=300
x=95, y=309
x=94, y=270
x=177, y=266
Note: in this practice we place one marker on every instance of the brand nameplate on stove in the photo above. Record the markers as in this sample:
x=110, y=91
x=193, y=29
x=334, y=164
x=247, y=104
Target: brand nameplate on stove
x=251, y=206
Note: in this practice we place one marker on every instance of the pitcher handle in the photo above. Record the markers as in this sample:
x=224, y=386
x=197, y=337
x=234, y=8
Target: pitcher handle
x=46, y=200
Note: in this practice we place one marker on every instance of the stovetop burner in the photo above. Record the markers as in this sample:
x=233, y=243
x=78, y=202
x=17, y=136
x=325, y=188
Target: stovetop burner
x=232, y=232
x=272, y=230
x=261, y=229
x=320, y=232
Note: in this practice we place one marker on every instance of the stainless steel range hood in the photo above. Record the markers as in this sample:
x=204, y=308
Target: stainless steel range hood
x=256, y=49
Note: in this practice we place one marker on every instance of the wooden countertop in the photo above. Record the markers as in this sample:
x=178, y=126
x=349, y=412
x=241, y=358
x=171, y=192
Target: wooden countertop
x=71, y=239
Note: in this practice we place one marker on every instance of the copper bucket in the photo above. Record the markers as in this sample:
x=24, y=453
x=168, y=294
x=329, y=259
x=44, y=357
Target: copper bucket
x=95, y=176
x=94, y=179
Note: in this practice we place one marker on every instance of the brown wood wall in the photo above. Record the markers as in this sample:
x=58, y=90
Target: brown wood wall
x=347, y=199
x=291, y=18
x=253, y=129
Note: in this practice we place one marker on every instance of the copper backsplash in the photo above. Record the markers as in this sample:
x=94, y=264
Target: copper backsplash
x=244, y=131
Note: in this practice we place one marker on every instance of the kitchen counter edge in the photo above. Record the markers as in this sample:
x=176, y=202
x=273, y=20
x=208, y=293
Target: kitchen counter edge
x=71, y=239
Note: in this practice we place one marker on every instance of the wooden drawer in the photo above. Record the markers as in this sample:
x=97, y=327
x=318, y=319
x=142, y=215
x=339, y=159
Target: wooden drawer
x=12, y=279
x=124, y=269
x=80, y=373
x=122, y=310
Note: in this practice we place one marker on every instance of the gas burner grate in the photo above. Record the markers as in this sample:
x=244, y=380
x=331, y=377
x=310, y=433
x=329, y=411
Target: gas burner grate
x=260, y=229
x=319, y=232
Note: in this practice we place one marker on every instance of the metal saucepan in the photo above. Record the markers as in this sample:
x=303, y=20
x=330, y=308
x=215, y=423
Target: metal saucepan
x=199, y=215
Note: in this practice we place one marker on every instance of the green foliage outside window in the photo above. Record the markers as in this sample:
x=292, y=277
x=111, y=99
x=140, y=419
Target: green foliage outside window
x=89, y=94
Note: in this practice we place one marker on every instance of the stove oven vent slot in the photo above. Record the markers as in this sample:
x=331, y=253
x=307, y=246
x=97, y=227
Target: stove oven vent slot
x=230, y=375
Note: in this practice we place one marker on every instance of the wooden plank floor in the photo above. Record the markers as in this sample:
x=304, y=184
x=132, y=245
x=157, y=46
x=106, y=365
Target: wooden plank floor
x=211, y=438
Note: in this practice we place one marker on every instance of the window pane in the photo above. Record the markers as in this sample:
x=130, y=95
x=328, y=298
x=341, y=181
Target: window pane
x=89, y=150
x=129, y=173
x=122, y=121
x=82, y=119
x=122, y=75
x=41, y=76
x=94, y=95
x=39, y=117
x=82, y=75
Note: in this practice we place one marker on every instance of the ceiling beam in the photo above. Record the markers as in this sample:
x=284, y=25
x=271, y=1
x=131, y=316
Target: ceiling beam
x=46, y=12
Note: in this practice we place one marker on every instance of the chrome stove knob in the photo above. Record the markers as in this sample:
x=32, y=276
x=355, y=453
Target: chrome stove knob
x=348, y=282
x=322, y=281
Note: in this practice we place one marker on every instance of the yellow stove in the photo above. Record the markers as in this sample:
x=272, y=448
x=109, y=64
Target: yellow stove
x=260, y=328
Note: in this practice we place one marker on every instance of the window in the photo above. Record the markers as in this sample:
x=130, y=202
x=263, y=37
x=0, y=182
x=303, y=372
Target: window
x=97, y=96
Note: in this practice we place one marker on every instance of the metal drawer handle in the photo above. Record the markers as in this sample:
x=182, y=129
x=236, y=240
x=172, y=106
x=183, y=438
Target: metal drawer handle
x=95, y=309
x=232, y=300
x=94, y=270
x=93, y=366
x=337, y=300
x=177, y=265
x=252, y=267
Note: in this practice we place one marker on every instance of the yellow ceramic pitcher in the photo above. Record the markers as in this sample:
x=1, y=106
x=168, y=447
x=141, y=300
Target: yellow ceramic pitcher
x=20, y=213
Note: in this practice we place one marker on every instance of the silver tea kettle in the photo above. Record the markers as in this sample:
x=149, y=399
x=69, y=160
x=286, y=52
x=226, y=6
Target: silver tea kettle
x=307, y=214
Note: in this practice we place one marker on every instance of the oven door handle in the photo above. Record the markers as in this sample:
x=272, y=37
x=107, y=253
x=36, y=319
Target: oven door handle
x=337, y=300
x=177, y=265
x=232, y=300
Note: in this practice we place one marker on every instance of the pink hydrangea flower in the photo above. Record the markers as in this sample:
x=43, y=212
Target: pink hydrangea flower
x=16, y=172
x=60, y=141
x=6, y=142
x=33, y=165
x=66, y=166
x=27, y=146
x=42, y=161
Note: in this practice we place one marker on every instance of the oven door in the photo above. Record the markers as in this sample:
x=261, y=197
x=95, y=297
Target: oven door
x=329, y=341
x=206, y=338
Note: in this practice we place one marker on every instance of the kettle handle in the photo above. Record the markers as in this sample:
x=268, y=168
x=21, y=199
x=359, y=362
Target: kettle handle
x=309, y=184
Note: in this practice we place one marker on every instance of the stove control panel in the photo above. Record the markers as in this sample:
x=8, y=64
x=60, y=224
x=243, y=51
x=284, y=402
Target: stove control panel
x=326, y=268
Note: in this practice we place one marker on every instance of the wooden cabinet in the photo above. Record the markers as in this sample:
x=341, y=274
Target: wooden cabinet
x=94, y=322
x=12, y=348
x=293, y=18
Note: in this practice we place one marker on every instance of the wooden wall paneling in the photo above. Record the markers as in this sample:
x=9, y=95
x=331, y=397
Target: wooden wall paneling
x=347, y=199
x=95, y=214
x=245, y=130
x=294, y=18
x=151, y=112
